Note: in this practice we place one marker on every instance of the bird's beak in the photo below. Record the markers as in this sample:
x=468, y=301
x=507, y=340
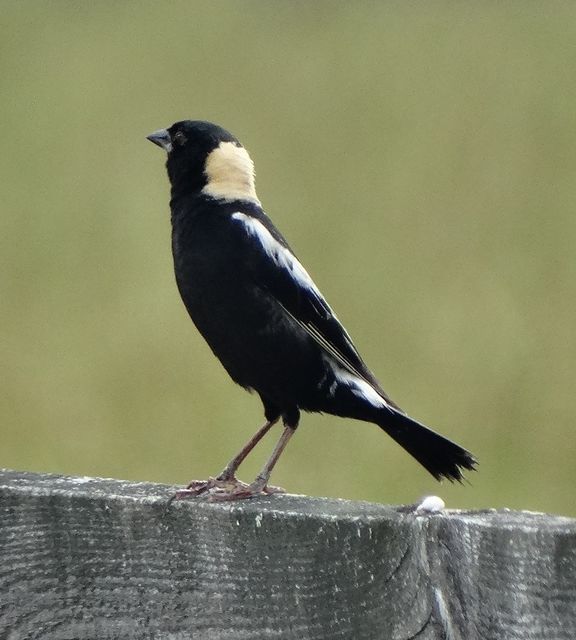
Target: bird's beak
x=162, y=139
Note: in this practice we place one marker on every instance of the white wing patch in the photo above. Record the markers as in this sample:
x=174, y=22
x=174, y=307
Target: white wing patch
x=283, y=258
x=344, y=372
x=358, y=386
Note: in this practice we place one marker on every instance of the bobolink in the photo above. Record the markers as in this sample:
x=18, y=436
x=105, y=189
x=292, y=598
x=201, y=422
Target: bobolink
x=263, y=316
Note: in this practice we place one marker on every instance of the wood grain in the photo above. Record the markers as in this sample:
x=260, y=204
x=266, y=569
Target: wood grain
x=86, y=558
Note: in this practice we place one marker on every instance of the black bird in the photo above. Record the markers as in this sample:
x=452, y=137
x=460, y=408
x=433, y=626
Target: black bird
x=263, y=316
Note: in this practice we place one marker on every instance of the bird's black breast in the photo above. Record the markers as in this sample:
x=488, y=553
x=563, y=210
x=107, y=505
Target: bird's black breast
x=209, y=267
x=246, y=327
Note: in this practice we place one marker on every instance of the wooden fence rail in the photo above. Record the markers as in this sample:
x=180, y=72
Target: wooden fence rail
x=87, y=558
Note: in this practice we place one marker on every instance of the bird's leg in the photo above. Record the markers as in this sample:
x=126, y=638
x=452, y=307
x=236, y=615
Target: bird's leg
x=229, y=471
x=260, y=484
x=226, y=480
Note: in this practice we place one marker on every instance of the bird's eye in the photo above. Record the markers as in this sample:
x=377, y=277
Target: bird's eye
x=179, y=138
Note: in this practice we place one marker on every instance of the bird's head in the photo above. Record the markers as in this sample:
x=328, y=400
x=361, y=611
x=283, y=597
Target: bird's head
x=203, y=157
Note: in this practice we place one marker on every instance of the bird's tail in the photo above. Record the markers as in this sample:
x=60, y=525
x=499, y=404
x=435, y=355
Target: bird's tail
x=440, y=456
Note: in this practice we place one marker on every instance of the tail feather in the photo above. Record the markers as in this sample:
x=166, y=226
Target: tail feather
x=440, y=456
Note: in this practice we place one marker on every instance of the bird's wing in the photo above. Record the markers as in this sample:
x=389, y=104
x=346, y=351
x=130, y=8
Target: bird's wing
x=276, y=269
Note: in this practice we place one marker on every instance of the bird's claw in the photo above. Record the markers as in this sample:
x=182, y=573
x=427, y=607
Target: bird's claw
x=199, y=487
x=270, y=489
x=244, y=491
x=224, y=489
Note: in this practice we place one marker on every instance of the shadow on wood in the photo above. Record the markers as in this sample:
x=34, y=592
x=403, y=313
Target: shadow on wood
x=88, y=558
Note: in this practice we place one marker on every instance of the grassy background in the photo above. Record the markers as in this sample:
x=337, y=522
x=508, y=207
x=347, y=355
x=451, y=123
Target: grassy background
x=420, y=157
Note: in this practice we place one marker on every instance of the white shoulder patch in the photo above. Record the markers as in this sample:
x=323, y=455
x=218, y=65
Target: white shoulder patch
x=282, y=256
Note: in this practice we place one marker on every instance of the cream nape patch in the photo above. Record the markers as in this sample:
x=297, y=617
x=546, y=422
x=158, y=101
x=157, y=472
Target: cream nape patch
x=230, y=173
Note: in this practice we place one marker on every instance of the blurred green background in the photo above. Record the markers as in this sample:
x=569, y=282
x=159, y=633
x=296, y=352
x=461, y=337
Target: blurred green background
x=420, y=158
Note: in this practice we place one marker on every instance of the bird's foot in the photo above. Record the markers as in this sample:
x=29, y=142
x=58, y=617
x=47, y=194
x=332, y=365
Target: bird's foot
x=243, y=491
x=225, y=488
x=199, y=487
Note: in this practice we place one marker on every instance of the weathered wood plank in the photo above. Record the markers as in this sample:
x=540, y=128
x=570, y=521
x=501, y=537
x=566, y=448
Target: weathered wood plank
x=85, y=558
